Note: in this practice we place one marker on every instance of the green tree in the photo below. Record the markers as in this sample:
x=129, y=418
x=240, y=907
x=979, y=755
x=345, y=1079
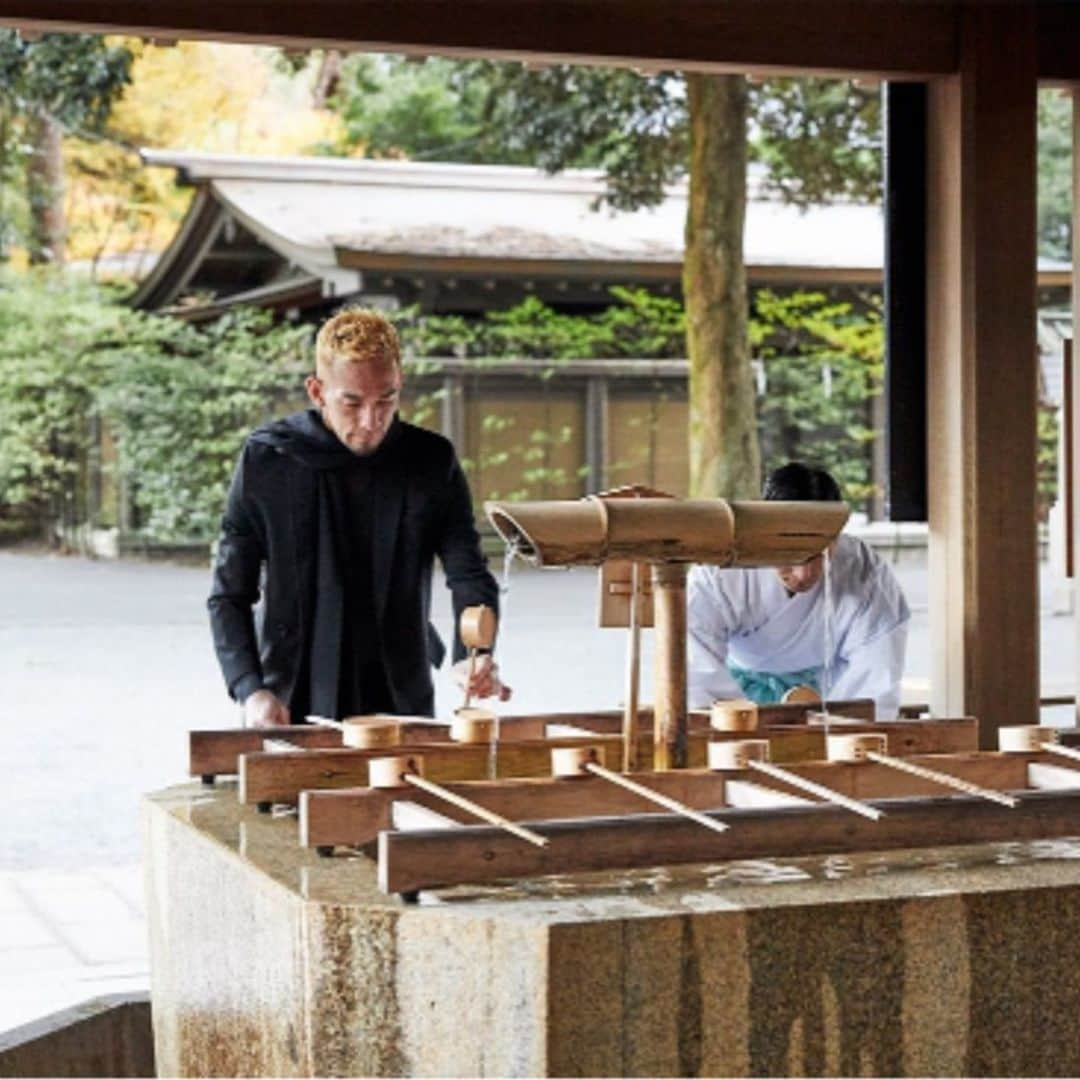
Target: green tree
x=395, y=107
x=645, y=131
x=815, y=137
x=822, y=364
x=51, y=373
x=50, y=86
x=181, y=400
x=1055, y=175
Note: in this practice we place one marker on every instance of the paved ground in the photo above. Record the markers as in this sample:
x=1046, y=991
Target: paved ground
x=107, y=665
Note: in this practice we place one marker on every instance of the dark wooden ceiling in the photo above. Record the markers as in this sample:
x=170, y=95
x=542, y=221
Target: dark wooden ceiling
x=883, y=38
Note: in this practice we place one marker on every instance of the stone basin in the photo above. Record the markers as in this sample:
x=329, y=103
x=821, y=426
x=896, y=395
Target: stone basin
x=268, y=960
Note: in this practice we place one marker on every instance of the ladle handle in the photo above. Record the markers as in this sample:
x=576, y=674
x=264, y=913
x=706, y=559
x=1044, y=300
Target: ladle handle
x=944, y=779
x=665, y=801
x=475, y=809
x=820, y=790
x=469, y=678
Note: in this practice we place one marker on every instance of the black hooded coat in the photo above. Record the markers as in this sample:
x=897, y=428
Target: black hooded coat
x=282, y=537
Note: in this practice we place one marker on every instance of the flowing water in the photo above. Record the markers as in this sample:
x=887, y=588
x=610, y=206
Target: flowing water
x=509, y=555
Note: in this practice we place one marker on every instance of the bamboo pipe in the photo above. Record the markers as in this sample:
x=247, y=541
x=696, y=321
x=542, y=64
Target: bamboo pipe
x=670, y=717
x=398, y=771
x=590, y=531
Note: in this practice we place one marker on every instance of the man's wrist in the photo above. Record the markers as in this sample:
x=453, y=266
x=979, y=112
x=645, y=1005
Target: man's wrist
x=245, y=686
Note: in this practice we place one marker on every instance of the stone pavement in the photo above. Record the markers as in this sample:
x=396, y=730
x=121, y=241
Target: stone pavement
x=66, y=937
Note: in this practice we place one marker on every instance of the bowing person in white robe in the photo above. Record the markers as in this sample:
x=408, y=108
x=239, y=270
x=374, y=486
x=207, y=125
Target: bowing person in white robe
x=757, y=633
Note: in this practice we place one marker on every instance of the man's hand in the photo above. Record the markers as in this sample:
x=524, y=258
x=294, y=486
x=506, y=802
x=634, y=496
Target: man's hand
x=263, y=709
x=485, y=681
x=801, y=695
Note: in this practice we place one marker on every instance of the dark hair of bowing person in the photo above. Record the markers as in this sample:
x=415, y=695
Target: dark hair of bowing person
x=797, y=482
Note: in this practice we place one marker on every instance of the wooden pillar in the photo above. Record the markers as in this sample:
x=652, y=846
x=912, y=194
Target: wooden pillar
x=1072, y=402
x=905, y=304
x=982, y=382
x=669, y=620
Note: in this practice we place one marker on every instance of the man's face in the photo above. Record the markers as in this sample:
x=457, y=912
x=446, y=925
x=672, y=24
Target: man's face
x=357, y=401
x=802, y=578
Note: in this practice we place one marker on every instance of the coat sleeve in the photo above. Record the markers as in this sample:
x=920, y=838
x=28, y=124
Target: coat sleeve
x=708, y=627
x=235, y=591
x=458, y=546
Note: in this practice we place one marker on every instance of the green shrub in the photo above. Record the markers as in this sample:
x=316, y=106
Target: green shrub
x=823, y=364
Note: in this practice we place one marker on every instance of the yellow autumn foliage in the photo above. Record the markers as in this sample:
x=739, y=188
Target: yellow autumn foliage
x=204, y=96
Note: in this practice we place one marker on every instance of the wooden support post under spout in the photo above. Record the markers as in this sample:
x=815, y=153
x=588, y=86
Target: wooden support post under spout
x=670, y=715
x=633, y=671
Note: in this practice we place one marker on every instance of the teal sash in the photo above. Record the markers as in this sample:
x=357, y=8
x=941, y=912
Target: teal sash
x=769, y=687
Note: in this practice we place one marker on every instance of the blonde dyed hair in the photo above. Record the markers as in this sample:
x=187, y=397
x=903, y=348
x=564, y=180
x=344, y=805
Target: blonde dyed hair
x=356, y=336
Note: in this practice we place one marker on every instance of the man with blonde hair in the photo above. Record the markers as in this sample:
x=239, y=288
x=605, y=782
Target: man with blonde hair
x=335, y=515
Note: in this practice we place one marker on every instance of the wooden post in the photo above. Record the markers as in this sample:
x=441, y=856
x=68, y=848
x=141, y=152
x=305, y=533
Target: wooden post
x=670, y=716
x=1072, y=402
x=982, y=382
x=1067, y=443
x=633, y=671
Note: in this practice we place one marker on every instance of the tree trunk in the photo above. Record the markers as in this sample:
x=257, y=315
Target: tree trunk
x=326, y=81
x=724, y=456
x=45, y=190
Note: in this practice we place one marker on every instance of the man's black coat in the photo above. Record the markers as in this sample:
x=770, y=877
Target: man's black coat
x=270, y=536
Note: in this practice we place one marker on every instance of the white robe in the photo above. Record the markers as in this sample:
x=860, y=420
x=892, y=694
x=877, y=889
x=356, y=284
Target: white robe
x=749, y=616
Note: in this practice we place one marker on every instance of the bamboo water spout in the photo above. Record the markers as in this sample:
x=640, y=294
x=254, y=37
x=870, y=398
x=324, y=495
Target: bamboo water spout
x=669, y=533
x=589, y=531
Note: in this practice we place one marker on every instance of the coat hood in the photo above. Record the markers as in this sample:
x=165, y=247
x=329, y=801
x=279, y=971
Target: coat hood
x=304, y=437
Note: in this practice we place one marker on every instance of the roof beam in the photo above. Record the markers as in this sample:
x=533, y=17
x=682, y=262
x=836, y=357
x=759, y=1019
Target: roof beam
x=876, y=38
x=888, y=38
